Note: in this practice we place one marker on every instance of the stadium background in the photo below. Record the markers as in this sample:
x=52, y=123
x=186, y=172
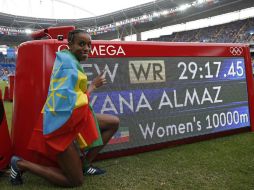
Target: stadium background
x=161, y=20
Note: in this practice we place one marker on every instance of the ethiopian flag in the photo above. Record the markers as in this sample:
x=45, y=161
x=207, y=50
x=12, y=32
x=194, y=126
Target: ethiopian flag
x=67, y=115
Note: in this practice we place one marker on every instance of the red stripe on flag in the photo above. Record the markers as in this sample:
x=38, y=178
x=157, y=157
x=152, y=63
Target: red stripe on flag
x=81, y=121
x=119, y=140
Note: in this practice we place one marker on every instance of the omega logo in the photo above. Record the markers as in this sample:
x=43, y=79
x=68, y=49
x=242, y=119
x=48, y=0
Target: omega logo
x=62, y=47
x=110, y=50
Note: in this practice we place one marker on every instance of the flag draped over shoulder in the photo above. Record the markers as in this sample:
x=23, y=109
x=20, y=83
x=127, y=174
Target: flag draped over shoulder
x=66, y=115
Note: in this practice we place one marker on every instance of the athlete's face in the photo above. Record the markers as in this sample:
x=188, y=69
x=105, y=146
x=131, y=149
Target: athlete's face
x=81, y=46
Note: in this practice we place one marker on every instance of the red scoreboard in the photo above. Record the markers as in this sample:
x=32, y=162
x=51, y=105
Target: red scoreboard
x=164, y=93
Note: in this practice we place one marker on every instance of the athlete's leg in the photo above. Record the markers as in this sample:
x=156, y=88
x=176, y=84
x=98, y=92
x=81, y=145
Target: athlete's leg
x=108, y=126
x=69, y=175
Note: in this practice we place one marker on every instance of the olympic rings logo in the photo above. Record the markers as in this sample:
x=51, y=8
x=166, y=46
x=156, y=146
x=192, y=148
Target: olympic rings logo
x=236, y=50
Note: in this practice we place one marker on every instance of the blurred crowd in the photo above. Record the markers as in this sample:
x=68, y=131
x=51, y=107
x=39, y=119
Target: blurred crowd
x=241, y=31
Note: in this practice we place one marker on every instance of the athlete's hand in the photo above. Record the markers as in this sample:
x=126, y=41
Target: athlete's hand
x=97, y=82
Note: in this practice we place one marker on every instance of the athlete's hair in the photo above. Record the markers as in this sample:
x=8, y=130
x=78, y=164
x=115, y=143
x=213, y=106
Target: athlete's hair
x=72, y=34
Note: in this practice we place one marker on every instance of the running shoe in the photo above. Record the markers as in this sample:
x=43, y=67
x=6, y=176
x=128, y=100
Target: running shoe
x=92, y=170
x=15, y=173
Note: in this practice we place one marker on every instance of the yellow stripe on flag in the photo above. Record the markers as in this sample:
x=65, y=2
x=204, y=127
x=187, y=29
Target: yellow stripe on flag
x=81, y=141
x=80, y=89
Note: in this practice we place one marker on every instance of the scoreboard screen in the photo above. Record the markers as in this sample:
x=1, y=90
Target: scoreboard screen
x=161, y=99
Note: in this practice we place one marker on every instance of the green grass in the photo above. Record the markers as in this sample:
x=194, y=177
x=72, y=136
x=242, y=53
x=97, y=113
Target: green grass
x=8, y=112
x=7, y=105
x=226, y=164
x=3, y=84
